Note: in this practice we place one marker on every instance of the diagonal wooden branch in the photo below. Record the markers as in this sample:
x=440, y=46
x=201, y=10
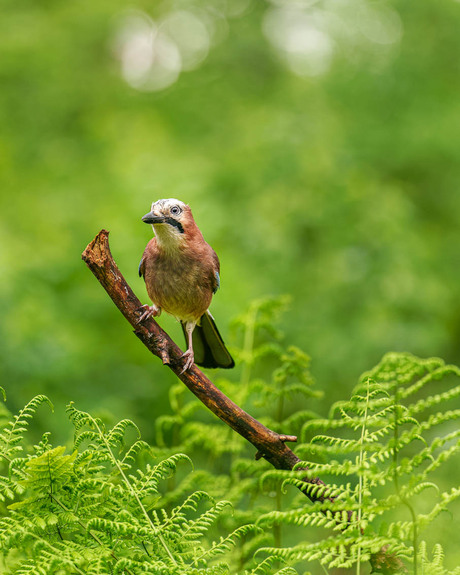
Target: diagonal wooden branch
x=269, y=444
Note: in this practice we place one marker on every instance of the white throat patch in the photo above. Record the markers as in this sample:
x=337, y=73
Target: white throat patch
x=169, y=238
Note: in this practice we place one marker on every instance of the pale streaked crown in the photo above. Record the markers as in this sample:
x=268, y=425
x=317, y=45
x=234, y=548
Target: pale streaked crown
x=169, y=207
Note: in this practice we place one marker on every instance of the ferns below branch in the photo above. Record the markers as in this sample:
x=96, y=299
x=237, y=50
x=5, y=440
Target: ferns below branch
x=109, y=504
x=91, y=511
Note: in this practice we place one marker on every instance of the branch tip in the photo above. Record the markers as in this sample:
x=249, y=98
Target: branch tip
x=97, y=248
x=291, y=438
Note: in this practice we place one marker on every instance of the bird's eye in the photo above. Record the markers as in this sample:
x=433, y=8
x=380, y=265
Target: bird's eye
x=175, y=210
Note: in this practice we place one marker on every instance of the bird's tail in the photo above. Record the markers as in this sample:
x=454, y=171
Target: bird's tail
x=208, y=345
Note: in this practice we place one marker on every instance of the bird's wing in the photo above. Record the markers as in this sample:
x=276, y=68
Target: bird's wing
x=217, y=278
x=150, y=253
x=142, y=266
x=216, y=275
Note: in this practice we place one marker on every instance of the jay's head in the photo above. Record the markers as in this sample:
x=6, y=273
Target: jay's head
x=171, y=220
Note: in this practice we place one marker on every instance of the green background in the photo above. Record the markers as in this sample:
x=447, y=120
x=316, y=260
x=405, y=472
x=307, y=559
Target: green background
x=316, y=142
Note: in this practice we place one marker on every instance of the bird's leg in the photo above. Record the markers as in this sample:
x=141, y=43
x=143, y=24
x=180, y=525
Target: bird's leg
x=149, y=311
x=189, y=355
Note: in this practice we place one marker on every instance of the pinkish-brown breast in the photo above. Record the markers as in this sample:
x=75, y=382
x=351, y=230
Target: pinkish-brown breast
x=181, y=283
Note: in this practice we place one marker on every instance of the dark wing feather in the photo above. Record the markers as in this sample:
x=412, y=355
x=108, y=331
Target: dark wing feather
x=208, y=345
x=141, y=267
x=215, y=280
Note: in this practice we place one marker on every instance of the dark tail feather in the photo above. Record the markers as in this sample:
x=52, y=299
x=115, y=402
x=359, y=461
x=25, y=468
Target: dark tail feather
x=208, y=345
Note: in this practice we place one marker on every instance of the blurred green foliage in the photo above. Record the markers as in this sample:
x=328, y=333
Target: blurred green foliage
x=326, y=169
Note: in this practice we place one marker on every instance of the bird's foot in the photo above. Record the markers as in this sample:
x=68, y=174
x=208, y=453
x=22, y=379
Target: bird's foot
x=189, y=357
x=148, y=311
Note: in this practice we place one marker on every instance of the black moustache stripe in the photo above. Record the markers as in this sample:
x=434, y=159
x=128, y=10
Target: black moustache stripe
x=175, y=223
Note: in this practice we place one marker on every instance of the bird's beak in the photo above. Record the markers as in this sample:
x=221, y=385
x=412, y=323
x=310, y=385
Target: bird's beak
x=151, y=218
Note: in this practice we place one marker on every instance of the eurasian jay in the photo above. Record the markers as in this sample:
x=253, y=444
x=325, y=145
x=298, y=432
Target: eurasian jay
x=181, y=273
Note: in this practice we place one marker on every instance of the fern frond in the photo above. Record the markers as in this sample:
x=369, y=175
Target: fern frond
x=338, y=551
x=288, y=390
x=408, y=466
x=194, y=529
x=82, y=418
x=323, y=517
x=295, y=420
x=447, y=497
x=12, y=434
x=435, y=565
x=439, y=419
x=212, y=438
x=264, y=566
x=165, y=423
x=115, y=437
x=46, y=473
x=137, y=447
x=313, y=488
x=436, y=374
x=8, y=489
x=146, y=483
x=178, y=515
x=226, y=543
x=373, y=393
x=317, y=424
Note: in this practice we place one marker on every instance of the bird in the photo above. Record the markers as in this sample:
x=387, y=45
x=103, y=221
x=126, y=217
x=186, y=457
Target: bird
x=182, y=273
